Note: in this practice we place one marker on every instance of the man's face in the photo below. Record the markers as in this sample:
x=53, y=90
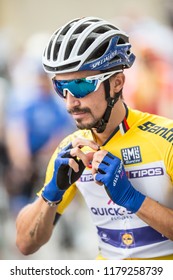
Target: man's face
x=86, y=111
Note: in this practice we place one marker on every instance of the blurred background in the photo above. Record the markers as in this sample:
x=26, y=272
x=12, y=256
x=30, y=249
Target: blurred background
x=33, y=119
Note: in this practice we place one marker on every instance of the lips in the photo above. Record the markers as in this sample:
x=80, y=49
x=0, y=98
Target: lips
x=76, y=110
x=79, y=113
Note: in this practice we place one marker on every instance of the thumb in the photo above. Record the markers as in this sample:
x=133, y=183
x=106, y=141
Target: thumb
x=90, y=158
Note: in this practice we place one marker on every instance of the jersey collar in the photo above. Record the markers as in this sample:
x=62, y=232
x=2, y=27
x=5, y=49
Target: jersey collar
x=123, y=127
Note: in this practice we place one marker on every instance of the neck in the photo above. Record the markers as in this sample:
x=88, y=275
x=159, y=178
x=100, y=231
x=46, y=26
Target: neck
x=117, y=115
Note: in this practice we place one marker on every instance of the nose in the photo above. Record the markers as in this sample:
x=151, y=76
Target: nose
x=71, y=101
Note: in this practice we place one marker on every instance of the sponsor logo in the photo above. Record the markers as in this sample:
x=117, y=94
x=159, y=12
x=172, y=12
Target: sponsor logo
x=131, y=155
x=110, y=211
x=118, y=173
x=104, y=236
x=86, y=178
x=127, y=239
x=162, y=131
x=147, y=172
x=108, y=57
x=116, y=213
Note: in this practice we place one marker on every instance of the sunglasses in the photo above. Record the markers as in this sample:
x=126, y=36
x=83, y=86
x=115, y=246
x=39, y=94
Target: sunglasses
x=81, y=87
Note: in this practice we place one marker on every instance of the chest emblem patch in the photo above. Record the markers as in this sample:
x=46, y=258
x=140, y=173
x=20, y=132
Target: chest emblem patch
x=131, y=155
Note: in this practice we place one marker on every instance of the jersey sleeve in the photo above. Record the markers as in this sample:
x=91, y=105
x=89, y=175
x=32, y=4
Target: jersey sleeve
x=169, y=160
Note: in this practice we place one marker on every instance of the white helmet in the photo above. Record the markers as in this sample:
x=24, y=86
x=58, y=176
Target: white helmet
x=87, y=43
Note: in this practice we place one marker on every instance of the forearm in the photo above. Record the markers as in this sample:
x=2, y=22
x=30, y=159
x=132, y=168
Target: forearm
x=34, y=226
x=157, y=216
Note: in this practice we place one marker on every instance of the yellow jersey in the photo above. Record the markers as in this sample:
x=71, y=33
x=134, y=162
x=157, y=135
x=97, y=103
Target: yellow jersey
x=144, y=142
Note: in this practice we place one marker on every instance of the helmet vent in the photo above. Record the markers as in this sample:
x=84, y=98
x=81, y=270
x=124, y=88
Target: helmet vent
x=98, y=52
x=49, y=49
x=69, y=48
x=116, y=58
x=81, y=28
x=102, y=29
x=56, y=50
x=65, y=30
x=120, y=41
x=69, y=66
x=86, y=45
x=61, y=68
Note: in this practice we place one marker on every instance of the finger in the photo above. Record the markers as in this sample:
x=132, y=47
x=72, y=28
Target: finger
x=95, y=166
x=97, y=159
x=90, y=158
x=81, y=142
x=76, y=152
x=99, y=155
x=73, y=164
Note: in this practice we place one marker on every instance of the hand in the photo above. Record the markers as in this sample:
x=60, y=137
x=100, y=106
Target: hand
x=112, y=174
x=68, y=167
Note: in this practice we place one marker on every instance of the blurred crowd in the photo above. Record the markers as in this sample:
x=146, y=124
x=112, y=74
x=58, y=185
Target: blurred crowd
x=33, y=120
x=32, y=124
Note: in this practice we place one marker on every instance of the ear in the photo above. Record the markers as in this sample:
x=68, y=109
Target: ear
x=117, y=82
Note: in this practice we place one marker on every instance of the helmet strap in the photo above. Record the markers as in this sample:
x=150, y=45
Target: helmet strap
x=110, y=104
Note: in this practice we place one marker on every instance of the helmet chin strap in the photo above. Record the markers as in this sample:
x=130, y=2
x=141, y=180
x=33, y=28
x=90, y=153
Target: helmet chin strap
x=101, y=125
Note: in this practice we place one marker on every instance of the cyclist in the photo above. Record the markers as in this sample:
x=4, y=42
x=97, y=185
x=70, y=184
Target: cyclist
x=120, y=159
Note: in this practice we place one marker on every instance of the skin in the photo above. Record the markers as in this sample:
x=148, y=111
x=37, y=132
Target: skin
x=35, y=222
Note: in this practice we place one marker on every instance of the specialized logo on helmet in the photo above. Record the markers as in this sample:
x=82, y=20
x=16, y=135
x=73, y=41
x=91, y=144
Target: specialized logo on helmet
x=100, y=62
x=117, y=54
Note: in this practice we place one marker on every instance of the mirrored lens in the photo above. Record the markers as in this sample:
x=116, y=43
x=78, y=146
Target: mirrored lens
x=78, y=88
